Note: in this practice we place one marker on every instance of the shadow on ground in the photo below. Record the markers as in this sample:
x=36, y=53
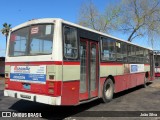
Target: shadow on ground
x=130, y=90
x=61, y=112
x=52, y=112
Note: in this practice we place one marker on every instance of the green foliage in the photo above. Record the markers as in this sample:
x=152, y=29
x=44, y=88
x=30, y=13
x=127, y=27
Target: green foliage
x=5, y=30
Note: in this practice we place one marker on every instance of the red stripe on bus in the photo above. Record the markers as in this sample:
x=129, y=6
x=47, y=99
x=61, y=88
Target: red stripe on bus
x=32, y=63
x=111, y=63
x=44, y=63
x=71, y=63
x=57, y=62
x=147, y=64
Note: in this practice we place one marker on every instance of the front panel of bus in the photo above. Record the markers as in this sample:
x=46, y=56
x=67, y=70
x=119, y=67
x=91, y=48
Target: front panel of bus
x=34, y=62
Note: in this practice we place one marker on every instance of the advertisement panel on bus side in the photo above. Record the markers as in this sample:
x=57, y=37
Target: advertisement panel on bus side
x=134, y=68
x=36, y=74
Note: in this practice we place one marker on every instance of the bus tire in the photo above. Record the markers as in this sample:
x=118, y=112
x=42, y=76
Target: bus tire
x=108, y=90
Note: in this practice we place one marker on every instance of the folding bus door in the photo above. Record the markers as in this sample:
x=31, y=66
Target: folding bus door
x=89, y=63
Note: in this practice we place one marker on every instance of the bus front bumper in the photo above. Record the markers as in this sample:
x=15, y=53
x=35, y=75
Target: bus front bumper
x=34, y=97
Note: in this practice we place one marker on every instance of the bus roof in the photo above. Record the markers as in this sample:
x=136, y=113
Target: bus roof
x=52, y=20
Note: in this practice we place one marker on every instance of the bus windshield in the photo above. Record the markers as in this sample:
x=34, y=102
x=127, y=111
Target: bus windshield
x=32, y=40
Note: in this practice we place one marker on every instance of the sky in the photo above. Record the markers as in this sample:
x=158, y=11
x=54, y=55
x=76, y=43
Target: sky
x=16, y=12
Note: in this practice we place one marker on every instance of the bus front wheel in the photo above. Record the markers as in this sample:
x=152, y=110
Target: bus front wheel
x=108, y=90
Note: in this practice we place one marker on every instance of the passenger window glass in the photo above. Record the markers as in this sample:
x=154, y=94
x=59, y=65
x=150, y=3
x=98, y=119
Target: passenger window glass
x=121, y=51
x=33, y=40
x=41, y=39
x=124, y=51
x=146, y=56
x=70, y=42
x=139, y=54
x=131, y=53
x=18, y=42
x=108, y=49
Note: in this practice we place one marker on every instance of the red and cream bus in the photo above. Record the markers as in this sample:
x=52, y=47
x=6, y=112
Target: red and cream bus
x=56, y=62
x=157, y=63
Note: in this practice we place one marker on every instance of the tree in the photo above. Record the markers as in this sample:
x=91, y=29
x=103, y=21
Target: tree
x=89, y=16
x=135, y=18
x=5, y=30
x=140, y=18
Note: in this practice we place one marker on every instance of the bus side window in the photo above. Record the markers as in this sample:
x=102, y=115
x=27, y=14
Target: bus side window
x=108, y=52
x=140, y=54
x=70, y=43
x=146, y=56
x=131, y=53
x=124, y=51
x=119, y=51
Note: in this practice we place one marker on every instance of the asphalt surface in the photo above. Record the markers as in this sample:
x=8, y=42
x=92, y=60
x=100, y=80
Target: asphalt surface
x=128, y=104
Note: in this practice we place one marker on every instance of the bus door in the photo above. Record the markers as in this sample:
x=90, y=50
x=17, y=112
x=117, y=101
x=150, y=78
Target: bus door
x=89, y=69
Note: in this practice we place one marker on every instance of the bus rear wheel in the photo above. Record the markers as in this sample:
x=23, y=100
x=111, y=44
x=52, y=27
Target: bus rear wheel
x=108, y=90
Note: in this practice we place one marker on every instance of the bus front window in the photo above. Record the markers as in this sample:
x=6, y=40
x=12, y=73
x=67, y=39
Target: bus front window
x=33, y=40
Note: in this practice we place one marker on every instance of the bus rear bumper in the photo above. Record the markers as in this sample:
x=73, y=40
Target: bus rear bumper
x=34, y=97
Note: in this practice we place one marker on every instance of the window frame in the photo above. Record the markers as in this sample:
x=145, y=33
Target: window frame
x=53, y=24
x=129, y=49
x=122, y=53
x=29, y=39
x=140, y=49
x=77, y=39
x=9, y=45
x=101, y=49
x=144, y=53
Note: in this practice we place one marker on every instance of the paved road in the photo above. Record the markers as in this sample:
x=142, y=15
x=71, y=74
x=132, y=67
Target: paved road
x=137, y=99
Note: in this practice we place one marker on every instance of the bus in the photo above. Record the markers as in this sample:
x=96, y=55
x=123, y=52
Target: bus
x=157, y=63
x=56, y=62
x=2, y=66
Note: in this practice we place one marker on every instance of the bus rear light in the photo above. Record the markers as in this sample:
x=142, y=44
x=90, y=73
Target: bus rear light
x=51, y=91
x=6, y=85
x=51, y=77
x=54, y=87
x=51, y=84
x=6, y=80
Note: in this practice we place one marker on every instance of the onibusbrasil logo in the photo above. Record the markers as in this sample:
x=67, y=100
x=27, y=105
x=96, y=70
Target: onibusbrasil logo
x=15, y=114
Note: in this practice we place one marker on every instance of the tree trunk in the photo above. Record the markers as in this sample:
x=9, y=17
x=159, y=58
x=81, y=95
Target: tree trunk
x=130, y=37
x=6, y=40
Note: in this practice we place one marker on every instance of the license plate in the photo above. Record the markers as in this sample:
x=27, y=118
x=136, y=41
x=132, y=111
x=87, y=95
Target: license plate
x=25, y=96
x=27, y=86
